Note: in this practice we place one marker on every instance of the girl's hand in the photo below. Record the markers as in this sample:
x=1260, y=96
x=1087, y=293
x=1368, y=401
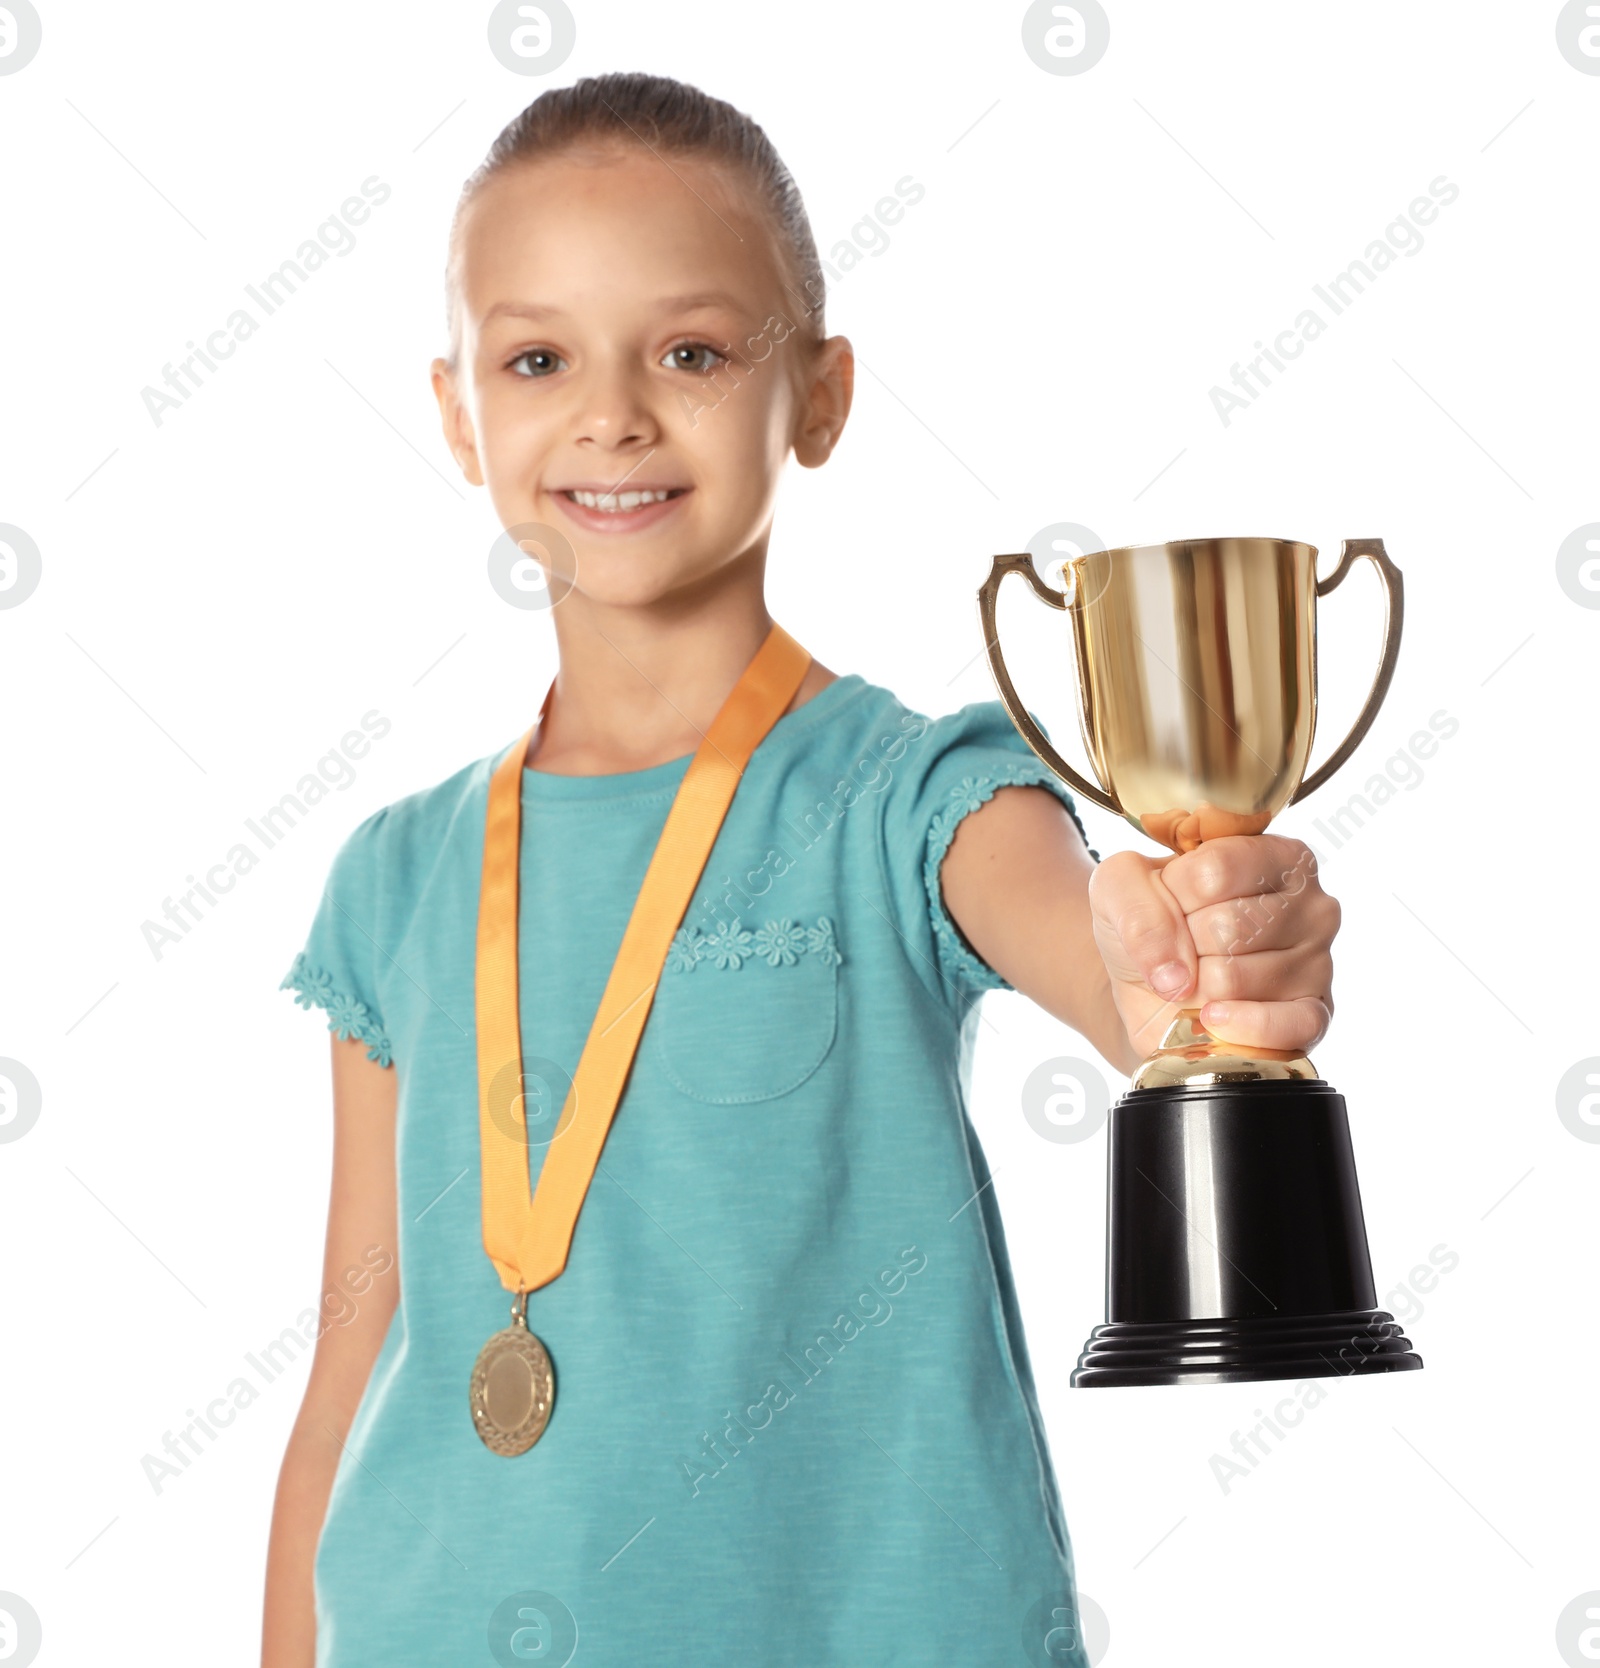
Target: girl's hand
x=1239, y=928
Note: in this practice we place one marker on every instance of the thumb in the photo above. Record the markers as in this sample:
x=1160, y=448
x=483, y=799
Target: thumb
x=1139, y=927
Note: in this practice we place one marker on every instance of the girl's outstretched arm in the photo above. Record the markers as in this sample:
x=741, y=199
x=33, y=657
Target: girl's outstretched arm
x=1239, y=928
x=360, y=1285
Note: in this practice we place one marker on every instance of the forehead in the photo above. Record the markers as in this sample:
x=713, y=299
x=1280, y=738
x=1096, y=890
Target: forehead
x=618, y=228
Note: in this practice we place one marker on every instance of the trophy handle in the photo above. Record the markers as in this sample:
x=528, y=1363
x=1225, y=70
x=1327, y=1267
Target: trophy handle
x=1393, y=618
x=988, y=591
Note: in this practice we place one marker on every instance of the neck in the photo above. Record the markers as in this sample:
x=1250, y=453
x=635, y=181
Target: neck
x=640, y=686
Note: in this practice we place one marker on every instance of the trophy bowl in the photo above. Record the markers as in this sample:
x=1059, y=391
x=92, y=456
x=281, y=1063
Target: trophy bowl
x=1204, y=731
x=1236, y=1246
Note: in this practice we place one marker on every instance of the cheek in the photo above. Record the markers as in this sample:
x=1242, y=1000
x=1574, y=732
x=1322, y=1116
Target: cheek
x=512, y=433
x=738, y=444
x=515, y=443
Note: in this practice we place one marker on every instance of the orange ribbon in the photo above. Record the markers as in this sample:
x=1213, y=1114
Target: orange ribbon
x=528, y=1237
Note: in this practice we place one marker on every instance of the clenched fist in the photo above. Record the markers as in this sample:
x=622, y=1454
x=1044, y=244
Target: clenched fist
x=1239, y=928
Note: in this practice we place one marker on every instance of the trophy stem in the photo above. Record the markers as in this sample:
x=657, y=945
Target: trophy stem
x=1190, y=1055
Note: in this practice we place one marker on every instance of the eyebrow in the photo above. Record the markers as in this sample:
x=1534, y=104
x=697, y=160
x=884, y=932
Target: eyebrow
x=694, y=303
x=702, y=302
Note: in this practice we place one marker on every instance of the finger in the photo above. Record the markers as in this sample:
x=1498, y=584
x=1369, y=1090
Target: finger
x=1139, y=926
x=1296, y=1026
x=1240, y=866
x=1267, y=976
x=1265, y=921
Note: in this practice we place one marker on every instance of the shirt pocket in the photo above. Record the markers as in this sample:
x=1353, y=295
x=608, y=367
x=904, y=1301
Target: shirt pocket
x=745, y=1014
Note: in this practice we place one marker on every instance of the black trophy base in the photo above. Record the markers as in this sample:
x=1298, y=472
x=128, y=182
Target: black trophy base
x=1236, y=1247
x=1237, y=1351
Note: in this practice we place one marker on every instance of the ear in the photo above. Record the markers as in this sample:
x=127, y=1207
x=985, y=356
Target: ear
x=456, y=422
x=830, y=384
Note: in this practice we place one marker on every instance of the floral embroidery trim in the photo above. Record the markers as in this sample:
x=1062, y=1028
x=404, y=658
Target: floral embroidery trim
x=731, y=945
x=347, y=1017
x=965, y=798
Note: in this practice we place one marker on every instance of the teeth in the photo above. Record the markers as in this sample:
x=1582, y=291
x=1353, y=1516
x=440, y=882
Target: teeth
x=614, y=501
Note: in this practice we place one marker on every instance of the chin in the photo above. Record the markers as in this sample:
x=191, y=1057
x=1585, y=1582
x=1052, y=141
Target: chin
x=642, y=580
x=643, y=587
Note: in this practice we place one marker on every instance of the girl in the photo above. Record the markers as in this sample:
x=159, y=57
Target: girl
x=765, y=1397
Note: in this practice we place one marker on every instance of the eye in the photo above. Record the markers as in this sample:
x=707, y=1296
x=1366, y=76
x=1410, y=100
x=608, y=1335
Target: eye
x=539, y=362
x=699, y=357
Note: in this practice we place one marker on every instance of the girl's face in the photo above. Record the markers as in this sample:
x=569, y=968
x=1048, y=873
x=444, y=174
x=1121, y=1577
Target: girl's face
x=632, y=371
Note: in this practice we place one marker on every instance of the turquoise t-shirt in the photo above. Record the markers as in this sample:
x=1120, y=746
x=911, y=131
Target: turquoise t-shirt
x=795, y=1422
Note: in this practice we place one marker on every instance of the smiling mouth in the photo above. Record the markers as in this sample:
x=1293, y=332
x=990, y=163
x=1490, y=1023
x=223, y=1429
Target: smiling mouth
x=617, y=503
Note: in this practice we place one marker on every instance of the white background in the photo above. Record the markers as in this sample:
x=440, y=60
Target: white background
x=225, y=594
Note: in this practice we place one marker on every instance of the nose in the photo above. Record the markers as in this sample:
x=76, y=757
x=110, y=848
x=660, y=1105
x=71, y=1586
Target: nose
x=614, y=409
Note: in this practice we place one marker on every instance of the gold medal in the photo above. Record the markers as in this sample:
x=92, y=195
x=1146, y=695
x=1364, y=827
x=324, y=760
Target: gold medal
x=513, y=1386
x=527, y=1232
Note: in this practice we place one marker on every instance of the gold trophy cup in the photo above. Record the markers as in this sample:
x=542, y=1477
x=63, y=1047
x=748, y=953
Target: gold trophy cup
x=1236, y=1247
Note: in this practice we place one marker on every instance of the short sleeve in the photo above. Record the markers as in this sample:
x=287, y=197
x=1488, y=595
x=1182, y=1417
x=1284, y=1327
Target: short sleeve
x=955, y=765
x=337, y=968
